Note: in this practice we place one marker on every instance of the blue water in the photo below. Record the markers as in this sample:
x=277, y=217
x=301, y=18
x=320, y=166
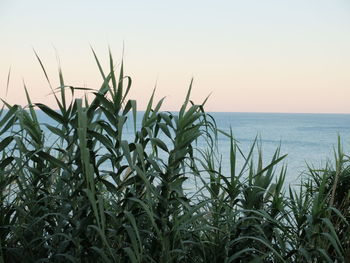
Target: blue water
x=305, y=138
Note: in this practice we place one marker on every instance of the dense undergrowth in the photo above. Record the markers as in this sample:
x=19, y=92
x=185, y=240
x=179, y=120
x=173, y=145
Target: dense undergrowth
x=90, y=195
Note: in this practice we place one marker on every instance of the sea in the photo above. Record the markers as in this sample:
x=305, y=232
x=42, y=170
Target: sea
x=307, y=139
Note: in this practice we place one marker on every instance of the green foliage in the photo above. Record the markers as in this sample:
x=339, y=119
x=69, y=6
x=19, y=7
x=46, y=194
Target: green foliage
x=92, y=194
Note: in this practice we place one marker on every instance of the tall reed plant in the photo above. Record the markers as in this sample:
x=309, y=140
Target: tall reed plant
x=78, y=188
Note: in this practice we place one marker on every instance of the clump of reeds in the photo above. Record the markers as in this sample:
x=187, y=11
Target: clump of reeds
x=92, y=195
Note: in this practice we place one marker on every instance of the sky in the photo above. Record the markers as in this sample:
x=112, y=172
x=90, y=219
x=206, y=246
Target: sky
x=250, y=56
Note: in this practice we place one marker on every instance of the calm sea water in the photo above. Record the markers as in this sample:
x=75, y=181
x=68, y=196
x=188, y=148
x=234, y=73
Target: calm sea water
x=305, y=138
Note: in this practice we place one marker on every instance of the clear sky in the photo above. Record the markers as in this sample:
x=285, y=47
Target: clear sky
x=253, y=56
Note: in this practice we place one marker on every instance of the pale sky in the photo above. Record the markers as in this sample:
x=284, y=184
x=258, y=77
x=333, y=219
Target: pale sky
x=253, y=56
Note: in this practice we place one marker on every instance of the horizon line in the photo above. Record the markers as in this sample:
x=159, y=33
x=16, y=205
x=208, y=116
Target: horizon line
x=253, y=112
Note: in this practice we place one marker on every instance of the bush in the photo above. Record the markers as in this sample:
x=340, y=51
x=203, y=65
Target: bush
x=92, y=195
